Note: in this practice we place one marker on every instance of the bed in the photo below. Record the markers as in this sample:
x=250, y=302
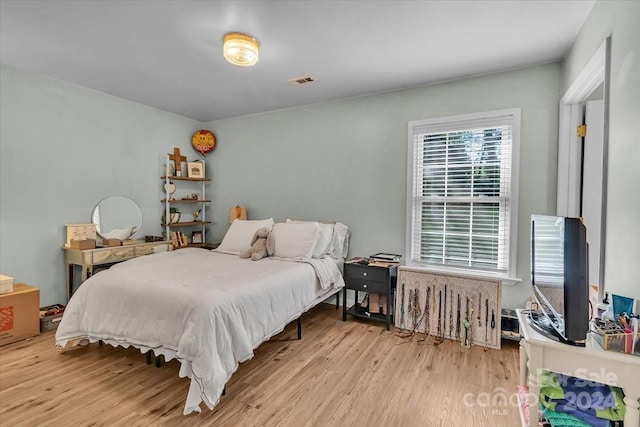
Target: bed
x=207, y=309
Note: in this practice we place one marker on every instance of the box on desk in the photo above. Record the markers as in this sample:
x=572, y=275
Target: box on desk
x=111, y=242
x=19, y=314
x=612, y=337
x=83, y=244
x=6, y=284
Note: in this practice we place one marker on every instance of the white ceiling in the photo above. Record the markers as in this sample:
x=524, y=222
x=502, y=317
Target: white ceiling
x=167, y=54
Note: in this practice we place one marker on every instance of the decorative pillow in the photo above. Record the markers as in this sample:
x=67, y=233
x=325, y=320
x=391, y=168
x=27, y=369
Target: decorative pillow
x=294, y=240
x=339, y=246
x=324, y=239
x=240, y=233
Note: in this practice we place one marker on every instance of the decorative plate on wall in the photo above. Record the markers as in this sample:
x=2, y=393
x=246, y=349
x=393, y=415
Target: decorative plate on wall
x=171, y=187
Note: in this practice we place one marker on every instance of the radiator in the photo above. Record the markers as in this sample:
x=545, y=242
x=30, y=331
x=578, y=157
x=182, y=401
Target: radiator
x=449, y=306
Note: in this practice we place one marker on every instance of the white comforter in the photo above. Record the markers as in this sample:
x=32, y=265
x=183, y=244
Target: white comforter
x=208, y=310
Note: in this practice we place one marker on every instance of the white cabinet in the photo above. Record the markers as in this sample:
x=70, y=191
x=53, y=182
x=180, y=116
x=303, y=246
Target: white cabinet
x=590, y=363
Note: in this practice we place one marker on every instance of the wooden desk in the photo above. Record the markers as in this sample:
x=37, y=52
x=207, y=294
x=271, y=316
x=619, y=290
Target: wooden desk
x=87, y=259
x=591, y=363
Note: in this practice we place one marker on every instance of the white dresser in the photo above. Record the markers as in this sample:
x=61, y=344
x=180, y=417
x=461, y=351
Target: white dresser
x=591, y=362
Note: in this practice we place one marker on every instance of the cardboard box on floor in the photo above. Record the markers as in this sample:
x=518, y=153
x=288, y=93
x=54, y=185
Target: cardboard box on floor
x=19, y=314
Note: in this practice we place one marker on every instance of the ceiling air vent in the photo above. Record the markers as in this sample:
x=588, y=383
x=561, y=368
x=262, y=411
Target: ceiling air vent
x=299, y=81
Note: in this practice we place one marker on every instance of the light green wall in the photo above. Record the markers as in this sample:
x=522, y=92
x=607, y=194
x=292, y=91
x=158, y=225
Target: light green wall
x=62, y=149
x=620, y=20
x=343, y=160
x=346, y=160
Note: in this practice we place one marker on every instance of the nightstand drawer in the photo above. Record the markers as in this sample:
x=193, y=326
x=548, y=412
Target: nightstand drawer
x=363, y=272
x=367, y=286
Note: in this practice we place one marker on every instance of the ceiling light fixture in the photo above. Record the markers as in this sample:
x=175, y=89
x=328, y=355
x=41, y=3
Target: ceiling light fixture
x=240, y=49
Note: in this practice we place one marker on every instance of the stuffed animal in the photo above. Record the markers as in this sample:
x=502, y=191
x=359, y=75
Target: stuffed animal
x=258, y=249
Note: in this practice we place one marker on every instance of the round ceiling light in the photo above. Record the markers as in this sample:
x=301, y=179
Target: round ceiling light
x=240, y=49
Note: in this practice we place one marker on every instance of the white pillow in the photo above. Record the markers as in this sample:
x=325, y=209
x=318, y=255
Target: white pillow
x=294, y=240
x=324, y=239
x=240, y=233
x=339, y=247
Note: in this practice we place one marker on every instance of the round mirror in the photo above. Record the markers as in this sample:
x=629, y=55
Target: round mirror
x=117, y=217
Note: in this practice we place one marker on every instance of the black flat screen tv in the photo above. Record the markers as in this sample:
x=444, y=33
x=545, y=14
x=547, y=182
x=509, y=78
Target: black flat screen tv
x=560, y=278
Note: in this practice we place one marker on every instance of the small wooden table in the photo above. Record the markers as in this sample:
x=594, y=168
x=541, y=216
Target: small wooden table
x=87, y=259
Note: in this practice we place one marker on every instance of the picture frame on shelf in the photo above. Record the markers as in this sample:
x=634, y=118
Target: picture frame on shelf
x=196, y=237
x=195, y=170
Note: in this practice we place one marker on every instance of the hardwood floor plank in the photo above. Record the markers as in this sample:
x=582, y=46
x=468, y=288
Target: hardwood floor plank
x=339, y=374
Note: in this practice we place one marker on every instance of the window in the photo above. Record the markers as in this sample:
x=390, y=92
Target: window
x=462, y=191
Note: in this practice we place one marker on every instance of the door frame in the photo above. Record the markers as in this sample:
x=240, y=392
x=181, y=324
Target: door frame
x=596, y=72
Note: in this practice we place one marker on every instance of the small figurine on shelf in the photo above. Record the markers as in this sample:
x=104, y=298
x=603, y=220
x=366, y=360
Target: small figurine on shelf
x=196, y=214
x=192, y=196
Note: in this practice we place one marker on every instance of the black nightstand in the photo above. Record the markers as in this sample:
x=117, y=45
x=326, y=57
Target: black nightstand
x=372, y=279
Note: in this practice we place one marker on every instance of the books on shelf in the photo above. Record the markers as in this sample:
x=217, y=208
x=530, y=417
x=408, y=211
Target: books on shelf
x=179, y=239
x=385, y=257
x=377, y=260
x=382, y=259
x=381, y=264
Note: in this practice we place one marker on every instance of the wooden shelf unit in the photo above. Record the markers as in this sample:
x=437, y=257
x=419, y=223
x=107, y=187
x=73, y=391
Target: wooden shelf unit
x=186, y=224
x=184, y=178
x=202, y=203
x=186, y=201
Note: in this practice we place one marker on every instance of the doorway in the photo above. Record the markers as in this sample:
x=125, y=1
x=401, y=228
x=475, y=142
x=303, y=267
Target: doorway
x=591, y=183
x=582, y=175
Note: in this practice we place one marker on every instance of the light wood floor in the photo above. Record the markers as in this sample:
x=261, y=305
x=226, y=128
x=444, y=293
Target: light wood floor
x=340, y=374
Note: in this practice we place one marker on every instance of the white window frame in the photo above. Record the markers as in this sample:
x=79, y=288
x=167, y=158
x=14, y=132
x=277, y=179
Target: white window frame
x=446, y=123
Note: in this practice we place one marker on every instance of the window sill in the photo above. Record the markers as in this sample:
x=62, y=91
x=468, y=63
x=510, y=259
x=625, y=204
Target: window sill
x=474, y=274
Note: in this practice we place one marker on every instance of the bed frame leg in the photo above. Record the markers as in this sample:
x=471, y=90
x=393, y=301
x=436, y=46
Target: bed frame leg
x=300, y=327
x=337, y=300
x=159, y=361
x=148, y=354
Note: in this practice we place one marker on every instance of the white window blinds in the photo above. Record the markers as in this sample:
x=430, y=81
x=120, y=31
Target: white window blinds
x=461, y=191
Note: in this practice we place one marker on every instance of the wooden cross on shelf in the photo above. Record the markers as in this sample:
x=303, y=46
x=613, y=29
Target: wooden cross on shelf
x=177, y=159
